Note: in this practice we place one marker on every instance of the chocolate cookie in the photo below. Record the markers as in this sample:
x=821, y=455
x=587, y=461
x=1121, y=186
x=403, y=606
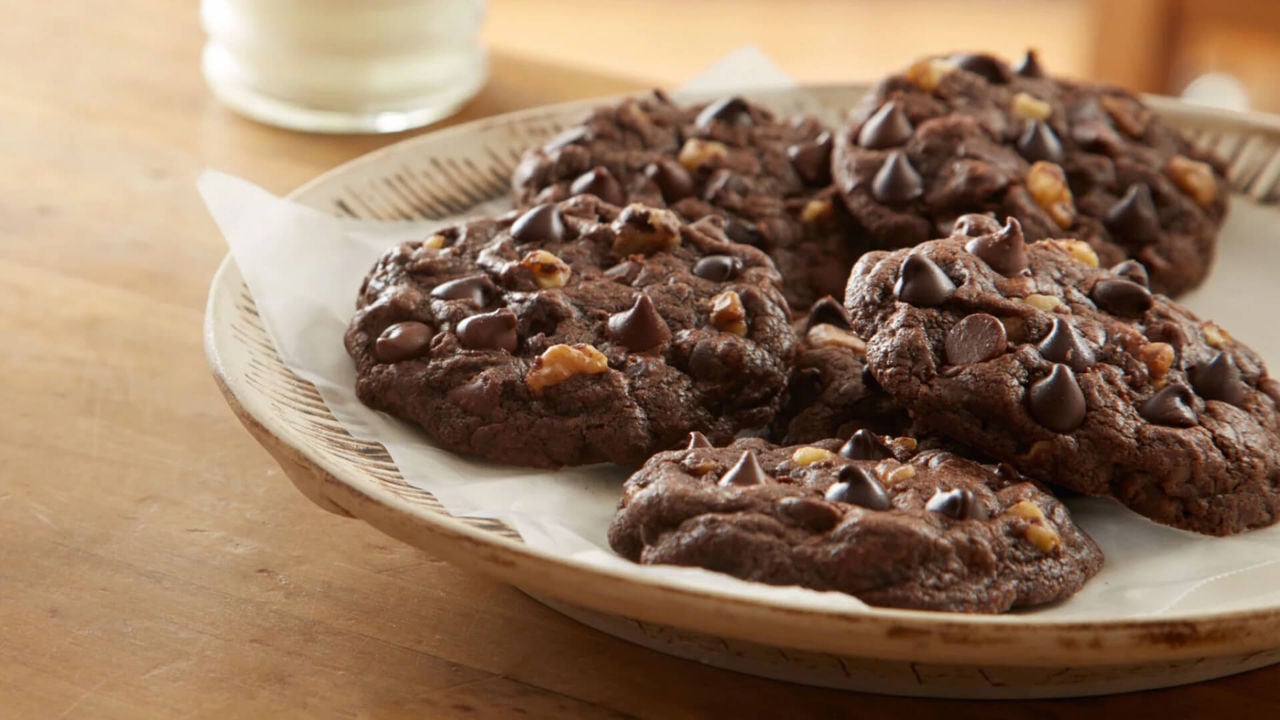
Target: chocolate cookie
x=968, y=134
x=768, y=178
x=830, y=392
x=870, y=517
x=573, y=333
x=1076, y=374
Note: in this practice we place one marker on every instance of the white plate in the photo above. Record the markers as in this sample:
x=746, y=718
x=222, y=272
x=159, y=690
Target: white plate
x=880, y=650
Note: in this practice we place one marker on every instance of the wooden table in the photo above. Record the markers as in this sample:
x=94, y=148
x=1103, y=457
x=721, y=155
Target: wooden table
x=154, y=562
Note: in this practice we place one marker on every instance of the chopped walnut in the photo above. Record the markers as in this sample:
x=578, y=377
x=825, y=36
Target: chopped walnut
x=1047, y=184
x=728, y=314
x=1031, y=107
x=697, y=152
x=809, y=455
x=1193, y=178
x=548, y=270
x=1080, y=250
x=823, y=335
x=561, y=362
x=926, y=74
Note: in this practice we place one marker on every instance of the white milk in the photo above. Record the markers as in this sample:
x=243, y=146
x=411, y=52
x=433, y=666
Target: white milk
x=344, y=65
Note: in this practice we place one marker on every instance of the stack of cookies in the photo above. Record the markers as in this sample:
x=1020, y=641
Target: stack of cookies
x=861, y=359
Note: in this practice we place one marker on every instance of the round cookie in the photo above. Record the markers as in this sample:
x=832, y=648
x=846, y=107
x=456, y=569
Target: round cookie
x=1075, y=374
x=770, y=179
x=830, y=392
x=869, y=517
x=968, y=134
x=573, y=333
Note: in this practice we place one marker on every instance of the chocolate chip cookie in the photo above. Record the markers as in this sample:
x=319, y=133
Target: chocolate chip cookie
x=770, y=179
x=969, y=134
x=1076, y=374
x=831, y=393
x=869, y=516
x=573, y=333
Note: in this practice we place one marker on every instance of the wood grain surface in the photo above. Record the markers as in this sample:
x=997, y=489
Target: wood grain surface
x=154, y=562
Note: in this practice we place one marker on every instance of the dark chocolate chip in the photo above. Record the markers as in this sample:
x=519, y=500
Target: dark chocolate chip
x=975, y=225
x=828, y=312
x=571, y=136
x=1133, y=218
x=1064, y=345
x=1038, y=141
x=897, y=181
x=1219, y=379
x=977, y=338
x=960, y=504
x=812, y=513
x=1172, y=406
x=489, y=331
x=600, y=182
x=540, y=224
x=1056, y=401
x=640, y=328
x=746, y=471
x=922, y=283
x=812, y=160
x=671, y=178
x=1008, y=474
x=1029, y=66
x=475, y=289
x=731, y=110
x=697, y=440
x=1134, y=271
x=1122, y=297
x=886, y=128
x=725, y=186
x=743, y=232
x=402, y=341
x=624, y=272
x=865, y=445
x=718, y=268
x=804, y=389
x=985, y=65
x=1005, y=251
x=859, y=486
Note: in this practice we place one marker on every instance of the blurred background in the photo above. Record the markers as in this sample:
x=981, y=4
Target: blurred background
x=1231, y=47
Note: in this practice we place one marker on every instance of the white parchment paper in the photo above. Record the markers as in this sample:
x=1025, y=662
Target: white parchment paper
x=304, y=268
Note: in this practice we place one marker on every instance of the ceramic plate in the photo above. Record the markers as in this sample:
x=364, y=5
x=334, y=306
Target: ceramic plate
x=881, y=650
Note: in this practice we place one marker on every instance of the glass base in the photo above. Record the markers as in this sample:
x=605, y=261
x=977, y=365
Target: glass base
x=293, y=116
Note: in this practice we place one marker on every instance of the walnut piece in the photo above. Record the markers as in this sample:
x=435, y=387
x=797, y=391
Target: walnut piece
x=823, y=335
x=809, y=455
x=926, y=74
x=561, y=362
x=644, y=230
x=1031, y=107
x=548, y=270
x=1193, y=178
x=1080, y=250
x=1047, y=184
x=728, y=314
x=697, y=152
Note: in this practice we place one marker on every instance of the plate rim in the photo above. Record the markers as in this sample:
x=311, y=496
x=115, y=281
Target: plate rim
x=892, y=633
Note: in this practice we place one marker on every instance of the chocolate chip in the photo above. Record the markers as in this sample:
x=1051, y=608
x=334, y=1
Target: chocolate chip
x=828, y=312
x=743, y=232
x=1219, y=379
x=724, y=187
x=671, y=178
x=540, y=224
x=475, y=289
x=1064, y=345
x=960, y=504
x=1004, y=251
x=746, y=471
x=1056, y=401
x=402, y=341
x=812, y=513
x=922, y=283
x=865, y=445
x=1134, y=271
x=859, y=486
x=1038, y=141
x=1029, y=66
x=976, y=338
x=1133, y=218
x=731, y=110
x=624, y=272
x=886, y=128
x=1122, y=297
x=1007, y=474
x=985, y=65
x=1172, y=406
x=812, y=160
x=571, y=136
x=697, y=440
x=640, y=328
x=804, y=389
x=718, y=268
x=975, y=225
x=897, y=181
x=489, y=331
x=600, y=182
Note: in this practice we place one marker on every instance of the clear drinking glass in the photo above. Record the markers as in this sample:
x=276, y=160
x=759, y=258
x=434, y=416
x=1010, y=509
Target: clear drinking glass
x=344, y=65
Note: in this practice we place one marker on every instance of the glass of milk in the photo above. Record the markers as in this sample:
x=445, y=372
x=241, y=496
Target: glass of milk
x=344, y=66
